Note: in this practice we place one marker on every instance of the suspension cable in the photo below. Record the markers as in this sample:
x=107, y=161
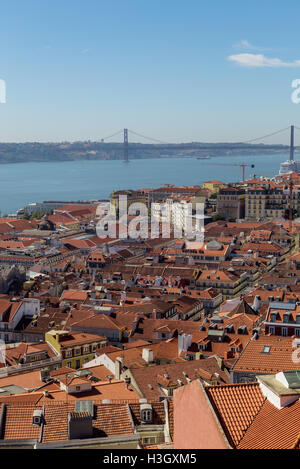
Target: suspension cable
x=113, y=135
x=265, y=136
x=148, y=138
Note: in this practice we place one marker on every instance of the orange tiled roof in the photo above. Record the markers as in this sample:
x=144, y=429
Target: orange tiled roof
x=279, y=358
x=273, y=428
x=74, y=295
x=236, y=405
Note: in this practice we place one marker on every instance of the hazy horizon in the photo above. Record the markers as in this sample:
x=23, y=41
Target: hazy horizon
x=175, y=71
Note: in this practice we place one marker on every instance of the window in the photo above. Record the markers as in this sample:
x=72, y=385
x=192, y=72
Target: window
x=147, y=415
x=36, y=420
x=86, y=349
x=77, y=351
x=149, y=440
x=69, y=364
x=297, y=332
x=266, y=349
x=68, y=353
x=272, y=330
x=286, y=317
x=284, y=331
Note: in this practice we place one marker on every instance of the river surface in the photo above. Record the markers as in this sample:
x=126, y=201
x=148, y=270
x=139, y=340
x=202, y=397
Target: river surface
x=23, y=183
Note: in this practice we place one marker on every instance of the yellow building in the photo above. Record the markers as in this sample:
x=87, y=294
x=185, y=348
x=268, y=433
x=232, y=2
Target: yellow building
x=264, y=202
x=213, y=185
x=75, y=348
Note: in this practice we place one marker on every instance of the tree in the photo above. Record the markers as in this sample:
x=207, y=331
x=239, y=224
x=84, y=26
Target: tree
x=217, y=217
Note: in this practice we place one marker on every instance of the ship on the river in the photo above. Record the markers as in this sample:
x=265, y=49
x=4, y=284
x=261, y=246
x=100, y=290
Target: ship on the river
x=290, y=165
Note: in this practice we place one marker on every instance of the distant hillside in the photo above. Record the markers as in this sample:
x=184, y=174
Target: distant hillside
x=25, y=152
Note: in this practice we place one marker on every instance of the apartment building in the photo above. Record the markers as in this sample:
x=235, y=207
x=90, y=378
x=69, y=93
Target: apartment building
x=76, y=348
x=269, y=202
x=12, y=312
x=231, y=203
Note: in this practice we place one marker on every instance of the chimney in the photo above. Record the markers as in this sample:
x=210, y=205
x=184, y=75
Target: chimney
x=220, y=362
x=184, y=342
x=147, y=355
x=118, y=367
x=135, y=323
x=257, y=303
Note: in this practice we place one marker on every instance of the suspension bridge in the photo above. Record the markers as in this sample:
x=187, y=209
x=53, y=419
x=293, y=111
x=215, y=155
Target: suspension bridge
x=159, y=144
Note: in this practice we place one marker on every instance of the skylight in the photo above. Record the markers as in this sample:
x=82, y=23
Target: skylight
x=266, y=349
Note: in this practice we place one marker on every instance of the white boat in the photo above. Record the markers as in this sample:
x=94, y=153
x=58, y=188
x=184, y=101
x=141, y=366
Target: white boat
x=289, y=166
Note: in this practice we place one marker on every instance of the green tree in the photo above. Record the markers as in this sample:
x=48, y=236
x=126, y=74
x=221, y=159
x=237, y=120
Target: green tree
x=217, y=217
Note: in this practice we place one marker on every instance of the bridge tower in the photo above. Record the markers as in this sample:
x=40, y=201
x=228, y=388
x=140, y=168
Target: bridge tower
x=292, y=144
x=126, y=146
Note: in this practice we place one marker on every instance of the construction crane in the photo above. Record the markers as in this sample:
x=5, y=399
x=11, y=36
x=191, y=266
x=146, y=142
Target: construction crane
x=242, y=165
x=291, y=209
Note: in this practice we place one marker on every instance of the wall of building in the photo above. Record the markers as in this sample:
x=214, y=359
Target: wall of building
x=194, y=424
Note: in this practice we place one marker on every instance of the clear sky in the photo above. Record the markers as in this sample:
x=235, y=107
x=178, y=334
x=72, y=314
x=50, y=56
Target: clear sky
x=176, y=70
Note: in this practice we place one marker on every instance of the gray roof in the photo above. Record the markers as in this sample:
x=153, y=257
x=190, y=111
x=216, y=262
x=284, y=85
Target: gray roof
x=11, y=389
x=282, y=305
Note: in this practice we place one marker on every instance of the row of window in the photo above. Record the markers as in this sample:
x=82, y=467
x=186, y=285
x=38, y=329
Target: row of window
x=77, y=363
x=284, y=331
x=81, y=350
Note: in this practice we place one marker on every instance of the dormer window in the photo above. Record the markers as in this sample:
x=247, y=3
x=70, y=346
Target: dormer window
x=202, y=346
x=37, y=417
x=286, y=317
x=274, y=316
x=146, y=413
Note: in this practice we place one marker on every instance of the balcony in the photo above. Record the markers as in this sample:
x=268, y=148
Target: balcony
x=15, y=369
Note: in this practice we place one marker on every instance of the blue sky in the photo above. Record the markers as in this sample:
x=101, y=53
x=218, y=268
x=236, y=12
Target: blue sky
x=172, y=69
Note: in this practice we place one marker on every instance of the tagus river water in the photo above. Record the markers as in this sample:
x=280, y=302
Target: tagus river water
x=23, y=183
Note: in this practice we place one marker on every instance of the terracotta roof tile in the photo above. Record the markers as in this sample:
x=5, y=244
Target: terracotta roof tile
x=236, y=405
x=279, y=357
x=273, y=428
